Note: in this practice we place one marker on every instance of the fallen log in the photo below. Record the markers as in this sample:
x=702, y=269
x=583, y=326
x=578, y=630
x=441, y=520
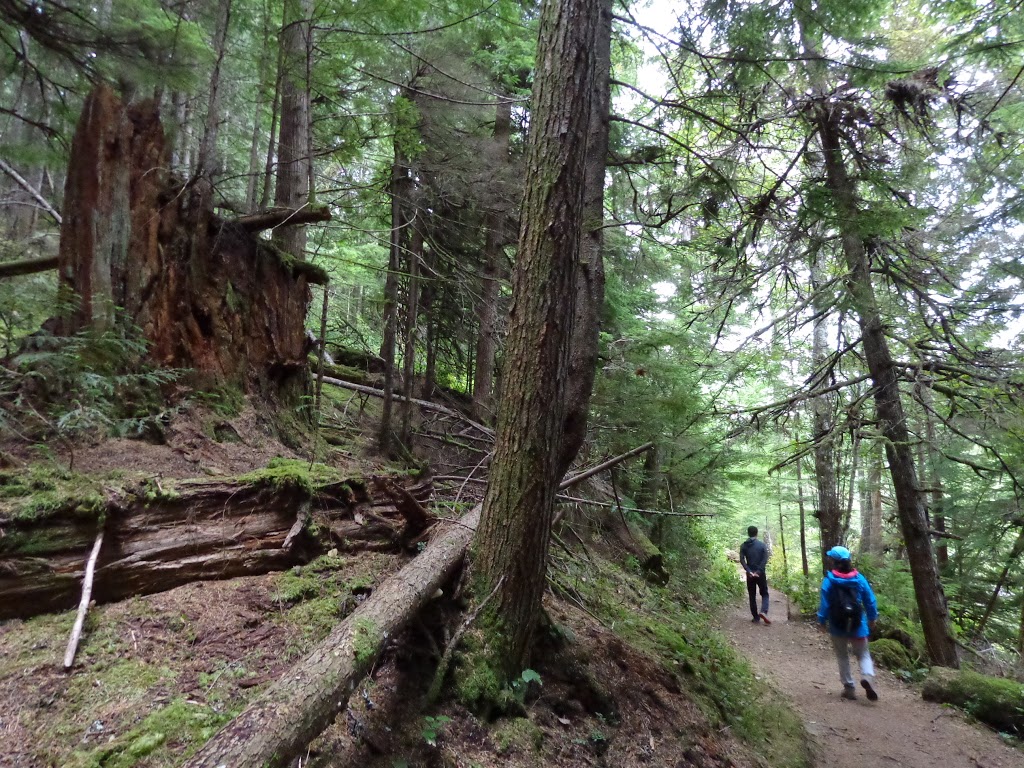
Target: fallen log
x=201, y=529
x=277, y=726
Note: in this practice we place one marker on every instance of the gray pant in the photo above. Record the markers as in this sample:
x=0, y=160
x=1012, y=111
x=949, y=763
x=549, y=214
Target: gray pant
x=859, y=645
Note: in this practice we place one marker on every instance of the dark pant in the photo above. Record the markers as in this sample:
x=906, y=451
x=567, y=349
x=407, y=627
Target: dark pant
x=754, y=585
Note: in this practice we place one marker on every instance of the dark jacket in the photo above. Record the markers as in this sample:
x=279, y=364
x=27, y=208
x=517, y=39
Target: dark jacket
x=754, y=555
x=866, y=596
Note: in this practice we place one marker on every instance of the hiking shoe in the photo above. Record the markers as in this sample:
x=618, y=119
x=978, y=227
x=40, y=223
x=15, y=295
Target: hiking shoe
x=756, y=619
x=764, y=618
x=866, y=685
x=849, y=692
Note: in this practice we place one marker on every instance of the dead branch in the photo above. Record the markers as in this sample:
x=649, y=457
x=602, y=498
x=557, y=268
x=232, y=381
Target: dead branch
x=282, y=217
x=421, y=403
x=83, y=606
x=20, y=181
x=28, y=266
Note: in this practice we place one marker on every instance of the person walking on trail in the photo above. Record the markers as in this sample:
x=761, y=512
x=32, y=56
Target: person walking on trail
x=754, y=559
x=849, y=609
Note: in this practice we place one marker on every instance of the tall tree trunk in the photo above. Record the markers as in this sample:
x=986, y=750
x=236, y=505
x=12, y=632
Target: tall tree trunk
x=822, y=412
x=803, y=519
x=931, y=599
x=411, y=319
x=275, y=115
x=252, y=185
x=400, y=182
x=487, y=305
x=515, y=525
x=937, y=516
x=852, y=487
x=208, y=145
x=293, y=155
x=590, y=275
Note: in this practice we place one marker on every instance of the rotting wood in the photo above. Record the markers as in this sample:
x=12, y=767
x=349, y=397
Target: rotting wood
x=200, y=529
x=83, y=605
x=277, y=726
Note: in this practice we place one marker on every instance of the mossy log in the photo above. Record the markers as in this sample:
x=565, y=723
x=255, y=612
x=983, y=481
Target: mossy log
x=992, y=700
x=203, y=529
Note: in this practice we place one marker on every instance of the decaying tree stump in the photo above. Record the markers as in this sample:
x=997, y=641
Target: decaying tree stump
x=209, y=295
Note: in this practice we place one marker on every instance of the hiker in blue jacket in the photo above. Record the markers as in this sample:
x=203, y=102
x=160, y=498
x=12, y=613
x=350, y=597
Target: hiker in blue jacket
x=849, y=608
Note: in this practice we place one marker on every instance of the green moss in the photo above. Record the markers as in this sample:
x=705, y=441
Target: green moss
x=224, y=400
x=180, y=724
x=42, y=491
x=367, y=640
x=892, y=655
x=296, y=267
x=992, y=700
x=292, y=474
x=518, y=734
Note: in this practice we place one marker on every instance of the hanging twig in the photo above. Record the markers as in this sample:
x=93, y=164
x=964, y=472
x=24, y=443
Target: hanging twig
x=83, y=606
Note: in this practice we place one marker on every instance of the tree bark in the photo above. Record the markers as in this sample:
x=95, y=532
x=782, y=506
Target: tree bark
x=487, y=305
x=293, y=155
x=931, y=599
x=515, y=526
x=803, y=517
x=411, y=319
x=589, y=290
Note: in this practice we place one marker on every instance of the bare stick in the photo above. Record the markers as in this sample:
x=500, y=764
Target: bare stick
x=83, y=606
x=577, y=500
x=31, y=190
x=28, y=266
x=422, y=403
x=282, y=217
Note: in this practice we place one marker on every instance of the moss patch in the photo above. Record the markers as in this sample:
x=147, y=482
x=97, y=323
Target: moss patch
x=892, y=655
x=41, y=491
x=182, y=725
x=518, y=734
x=992, y=700
x=294, y=474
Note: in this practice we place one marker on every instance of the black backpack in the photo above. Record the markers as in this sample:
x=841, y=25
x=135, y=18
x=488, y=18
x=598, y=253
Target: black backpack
x=844, y=607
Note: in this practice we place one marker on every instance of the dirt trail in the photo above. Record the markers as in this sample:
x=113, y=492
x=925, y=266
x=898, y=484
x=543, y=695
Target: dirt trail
x=901, y=729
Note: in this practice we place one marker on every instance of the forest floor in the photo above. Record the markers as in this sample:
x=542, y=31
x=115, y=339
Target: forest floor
x=900, y=729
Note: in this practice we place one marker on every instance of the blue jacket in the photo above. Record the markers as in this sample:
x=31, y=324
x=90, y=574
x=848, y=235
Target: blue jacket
x=867, y=599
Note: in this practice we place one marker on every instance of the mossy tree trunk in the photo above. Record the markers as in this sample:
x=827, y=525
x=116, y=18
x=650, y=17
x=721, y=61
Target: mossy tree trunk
x=515, y=525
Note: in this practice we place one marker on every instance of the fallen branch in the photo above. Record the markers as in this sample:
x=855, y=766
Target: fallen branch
x=20, y=181
x=282, y=217
x=28, y=266
x=426, y=404
x=83, y=606
x=576, y=500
